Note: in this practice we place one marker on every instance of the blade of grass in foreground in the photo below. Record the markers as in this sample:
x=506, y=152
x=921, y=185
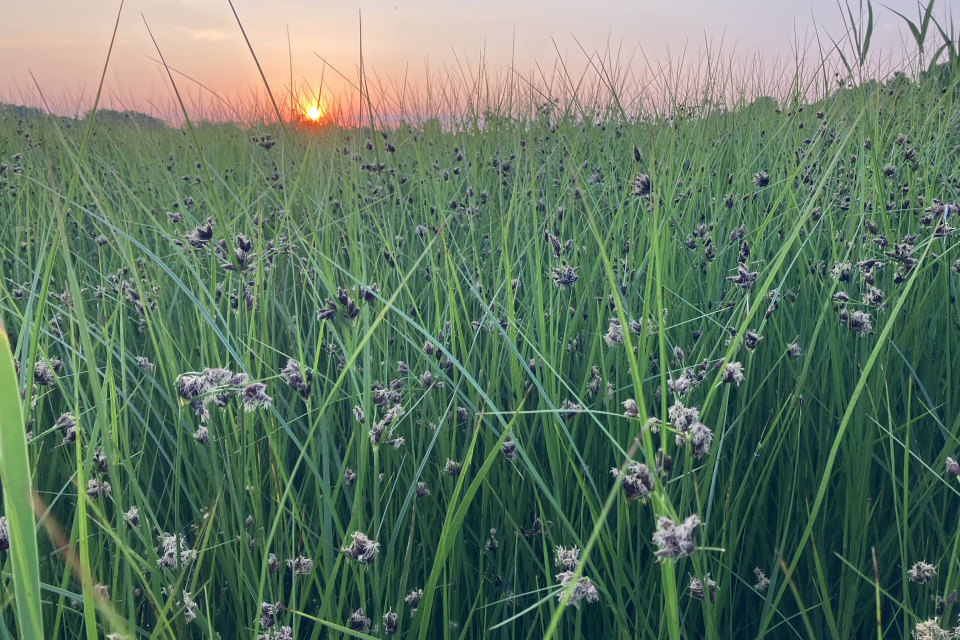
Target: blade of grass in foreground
x=17, y=498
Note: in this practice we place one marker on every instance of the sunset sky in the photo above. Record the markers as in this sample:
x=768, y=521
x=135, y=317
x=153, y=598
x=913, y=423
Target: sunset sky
x=64, y=42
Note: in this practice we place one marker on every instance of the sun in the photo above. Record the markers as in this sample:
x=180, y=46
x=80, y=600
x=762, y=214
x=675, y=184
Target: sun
x=314, y=113
x=312, y=109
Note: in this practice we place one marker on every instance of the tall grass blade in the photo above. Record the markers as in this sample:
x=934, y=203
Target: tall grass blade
x=18, y=500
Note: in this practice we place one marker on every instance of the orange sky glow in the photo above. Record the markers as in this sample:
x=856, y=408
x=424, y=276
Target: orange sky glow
x=417, y=54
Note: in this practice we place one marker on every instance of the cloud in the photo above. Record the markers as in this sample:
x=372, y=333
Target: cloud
x=210, y=35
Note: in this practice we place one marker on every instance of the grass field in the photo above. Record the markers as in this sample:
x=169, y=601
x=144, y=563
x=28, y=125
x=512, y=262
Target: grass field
x=447, y=378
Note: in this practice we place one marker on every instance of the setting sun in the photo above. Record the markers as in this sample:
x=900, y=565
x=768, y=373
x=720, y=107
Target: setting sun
x=314, y=113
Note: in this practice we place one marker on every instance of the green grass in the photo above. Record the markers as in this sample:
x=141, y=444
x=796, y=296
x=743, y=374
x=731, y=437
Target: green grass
x=18, y=500
x=827, y=471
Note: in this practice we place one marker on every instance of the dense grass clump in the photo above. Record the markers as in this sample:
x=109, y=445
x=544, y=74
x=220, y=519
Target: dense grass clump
x=540, y=370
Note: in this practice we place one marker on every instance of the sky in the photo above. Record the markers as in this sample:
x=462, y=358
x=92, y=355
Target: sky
x=63, y=43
